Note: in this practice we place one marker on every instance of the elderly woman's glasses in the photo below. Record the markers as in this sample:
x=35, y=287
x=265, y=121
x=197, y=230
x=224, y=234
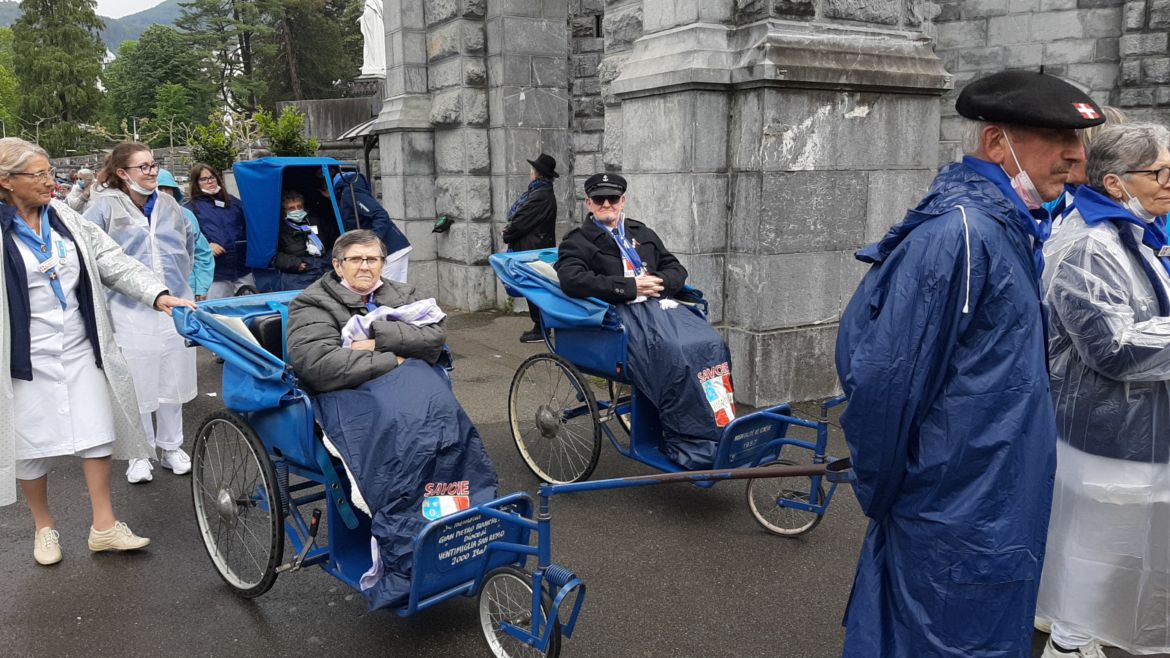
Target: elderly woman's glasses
x=146, y=168
x=369, y=261
x=1161, y=175
x=38, y=176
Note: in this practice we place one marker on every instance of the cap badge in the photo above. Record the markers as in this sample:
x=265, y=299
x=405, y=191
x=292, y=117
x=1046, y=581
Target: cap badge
x=604, y=178
x=1086, y=110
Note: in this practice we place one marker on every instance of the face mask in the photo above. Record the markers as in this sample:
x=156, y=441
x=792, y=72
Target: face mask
x=297, y=215
x=1022, y=183
x=1134, y=206
x=209, y=188
x=139, y=189
x=81, y=185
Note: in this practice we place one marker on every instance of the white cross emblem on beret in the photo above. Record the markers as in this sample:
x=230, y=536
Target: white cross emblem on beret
x=1086, y=110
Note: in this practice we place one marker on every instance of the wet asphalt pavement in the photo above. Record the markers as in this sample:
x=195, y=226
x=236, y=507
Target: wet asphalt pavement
x=671, y=570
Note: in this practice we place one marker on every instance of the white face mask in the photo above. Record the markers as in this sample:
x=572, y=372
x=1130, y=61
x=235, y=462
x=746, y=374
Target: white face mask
x=1134, y=206
x=297, y=215
x=209, y=188
x=1022, y=182
x=139, y=189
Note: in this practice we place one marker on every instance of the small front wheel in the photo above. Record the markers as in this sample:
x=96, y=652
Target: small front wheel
x=766, y=496
x=507, y=596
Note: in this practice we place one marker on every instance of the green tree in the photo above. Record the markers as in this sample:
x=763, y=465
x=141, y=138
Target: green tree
x=313, y=53
x=230, y=34
x=57, y=55
x=143, y=69
x=284, y=133
x=9, y=87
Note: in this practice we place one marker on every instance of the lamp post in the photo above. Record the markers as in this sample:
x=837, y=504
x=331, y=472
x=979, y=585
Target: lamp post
x=135, y=122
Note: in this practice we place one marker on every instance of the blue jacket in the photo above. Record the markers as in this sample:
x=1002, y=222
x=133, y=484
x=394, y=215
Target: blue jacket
x=351, y=187
x=225, y=227
x=950, y=425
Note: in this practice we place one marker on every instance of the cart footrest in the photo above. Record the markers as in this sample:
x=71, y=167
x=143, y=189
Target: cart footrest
x=557, y=576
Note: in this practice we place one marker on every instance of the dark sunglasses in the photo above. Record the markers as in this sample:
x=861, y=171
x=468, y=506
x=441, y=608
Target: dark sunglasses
x=602, y=199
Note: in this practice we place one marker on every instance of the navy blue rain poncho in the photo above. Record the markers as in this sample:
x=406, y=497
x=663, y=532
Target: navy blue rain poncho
x=950, y=425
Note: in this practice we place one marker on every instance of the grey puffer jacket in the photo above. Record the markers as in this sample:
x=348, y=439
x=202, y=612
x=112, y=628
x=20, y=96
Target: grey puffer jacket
x=315, y=320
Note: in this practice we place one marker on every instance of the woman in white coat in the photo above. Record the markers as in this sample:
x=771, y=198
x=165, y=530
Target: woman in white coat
x=64, y=388
x=1107, y=290
x=150, y=228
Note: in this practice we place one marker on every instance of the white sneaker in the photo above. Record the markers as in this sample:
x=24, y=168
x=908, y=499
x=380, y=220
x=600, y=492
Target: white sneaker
x=47, y=547
x=177, y=461
x=1090, y=650
x=138, y=471
x=117, y=538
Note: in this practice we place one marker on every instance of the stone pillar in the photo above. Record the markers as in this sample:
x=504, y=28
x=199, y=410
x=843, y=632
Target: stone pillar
x=405, y=141
x=458, y=83
x=528, y=100
x=766, y=141
x=1144, y=89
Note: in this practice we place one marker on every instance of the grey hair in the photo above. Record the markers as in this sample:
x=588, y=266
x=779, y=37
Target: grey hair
x=1120, y=148
x=354, y=238
x=86, y=173
x=290, y=196
x=1113, y=117
x=971, y=135
x=14, y=156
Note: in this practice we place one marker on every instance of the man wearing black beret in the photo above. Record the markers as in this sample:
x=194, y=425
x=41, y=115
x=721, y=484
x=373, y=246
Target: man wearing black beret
x=942, y=352
x=674, y=358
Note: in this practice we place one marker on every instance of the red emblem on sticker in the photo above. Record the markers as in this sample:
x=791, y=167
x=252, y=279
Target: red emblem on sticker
x=1086, y=110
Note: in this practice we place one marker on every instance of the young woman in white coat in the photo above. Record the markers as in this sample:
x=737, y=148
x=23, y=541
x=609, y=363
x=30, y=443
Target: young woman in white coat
x=64, y=387
x=150, y=228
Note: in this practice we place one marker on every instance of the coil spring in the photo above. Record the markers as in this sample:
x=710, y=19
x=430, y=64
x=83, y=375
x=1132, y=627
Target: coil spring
x=282, y=485
x=557, y=576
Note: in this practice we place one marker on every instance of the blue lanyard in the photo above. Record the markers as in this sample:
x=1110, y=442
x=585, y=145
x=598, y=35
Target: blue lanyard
x=624, y=246
x=304, y=228
x=40, y=245
x=370, y=305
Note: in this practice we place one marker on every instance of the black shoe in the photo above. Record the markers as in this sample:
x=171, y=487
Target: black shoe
x=533, y=335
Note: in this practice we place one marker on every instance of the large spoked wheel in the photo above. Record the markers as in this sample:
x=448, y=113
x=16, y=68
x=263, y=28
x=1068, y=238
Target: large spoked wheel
x=554, y=419
x=507, y=596
x=764, y=496
x=621, y=395
x=237, y=503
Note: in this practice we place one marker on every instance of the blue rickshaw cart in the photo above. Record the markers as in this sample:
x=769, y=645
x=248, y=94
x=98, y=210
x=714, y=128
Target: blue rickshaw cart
x=261, y=183
x=262, y=480
x=558, y=418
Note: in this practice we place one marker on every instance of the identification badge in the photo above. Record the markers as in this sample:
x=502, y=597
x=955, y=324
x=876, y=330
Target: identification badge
x=61, y=250
x=1164, y=252
x=53, y=261
x=628, y=268
x=220, y=204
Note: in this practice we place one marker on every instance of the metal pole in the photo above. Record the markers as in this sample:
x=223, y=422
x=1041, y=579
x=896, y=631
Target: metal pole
x=135, y=121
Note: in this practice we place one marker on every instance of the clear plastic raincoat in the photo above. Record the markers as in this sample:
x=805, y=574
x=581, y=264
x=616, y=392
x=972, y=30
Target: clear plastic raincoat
x=162, y=366
x=1108, y=565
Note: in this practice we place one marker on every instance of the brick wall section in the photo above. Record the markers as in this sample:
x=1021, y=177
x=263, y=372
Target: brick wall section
x=1144, y=87
x=1078, y=40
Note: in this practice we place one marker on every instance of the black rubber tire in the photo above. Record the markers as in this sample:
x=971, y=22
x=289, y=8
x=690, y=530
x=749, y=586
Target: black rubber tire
x=236, y=498
x=536, y=414
x=515, y=585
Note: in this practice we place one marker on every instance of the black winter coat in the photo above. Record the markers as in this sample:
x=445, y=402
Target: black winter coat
x=589, y=263
x=292, y=249
x=534, y=224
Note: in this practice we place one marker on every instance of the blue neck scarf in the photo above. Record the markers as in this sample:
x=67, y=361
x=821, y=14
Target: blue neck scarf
x=42, y=247
x=1036, y=223
x=1063, y=205
x=523, y=198
x=627, y=249
x=1096, y=208
x=313, y=239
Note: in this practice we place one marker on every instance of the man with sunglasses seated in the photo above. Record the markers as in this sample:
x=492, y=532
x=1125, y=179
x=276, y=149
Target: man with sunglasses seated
x=366, y=348
x=675, y=359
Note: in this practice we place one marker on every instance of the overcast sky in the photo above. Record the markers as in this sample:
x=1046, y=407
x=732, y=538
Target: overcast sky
x=120, y=8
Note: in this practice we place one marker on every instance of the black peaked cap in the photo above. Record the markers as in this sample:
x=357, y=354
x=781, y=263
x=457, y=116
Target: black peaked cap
x=602, y=184
x=1028, y=98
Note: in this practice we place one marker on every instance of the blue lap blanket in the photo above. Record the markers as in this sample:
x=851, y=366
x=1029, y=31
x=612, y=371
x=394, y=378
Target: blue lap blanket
x=679, y=363
x=398, y=434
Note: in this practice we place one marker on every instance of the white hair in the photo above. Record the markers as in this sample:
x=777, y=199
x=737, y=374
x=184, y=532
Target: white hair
x=971, y=135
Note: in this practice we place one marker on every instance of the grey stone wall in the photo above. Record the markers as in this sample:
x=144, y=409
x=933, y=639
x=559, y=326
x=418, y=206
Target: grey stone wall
x=1077, y=40
x=587, y=117
x=1144, y=86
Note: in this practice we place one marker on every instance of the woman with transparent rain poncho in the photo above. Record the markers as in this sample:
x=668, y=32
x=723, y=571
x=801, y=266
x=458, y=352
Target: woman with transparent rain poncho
x=1106, y=577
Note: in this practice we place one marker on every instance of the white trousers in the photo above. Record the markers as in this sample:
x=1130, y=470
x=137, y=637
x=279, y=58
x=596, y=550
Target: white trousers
x=34, y=469
x=1068, y=636
x=169, y=435
x=220, y=289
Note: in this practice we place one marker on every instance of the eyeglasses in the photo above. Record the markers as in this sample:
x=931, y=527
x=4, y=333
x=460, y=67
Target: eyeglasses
x=363, y=260
x=602, y=199
x=145, y=168
x=207, y=179
x=1161, y=175
x=38, y=176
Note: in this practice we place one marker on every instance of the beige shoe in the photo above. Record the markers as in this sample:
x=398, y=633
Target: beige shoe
x=47, y=546
x=117, y=538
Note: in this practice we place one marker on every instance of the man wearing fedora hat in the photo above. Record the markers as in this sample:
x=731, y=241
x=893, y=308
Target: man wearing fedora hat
x=532, y=221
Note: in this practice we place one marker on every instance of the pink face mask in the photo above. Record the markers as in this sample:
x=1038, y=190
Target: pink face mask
x=1022, y=182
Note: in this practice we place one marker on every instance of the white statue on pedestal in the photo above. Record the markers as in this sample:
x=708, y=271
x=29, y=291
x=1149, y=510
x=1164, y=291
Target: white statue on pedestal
x=374, y=37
